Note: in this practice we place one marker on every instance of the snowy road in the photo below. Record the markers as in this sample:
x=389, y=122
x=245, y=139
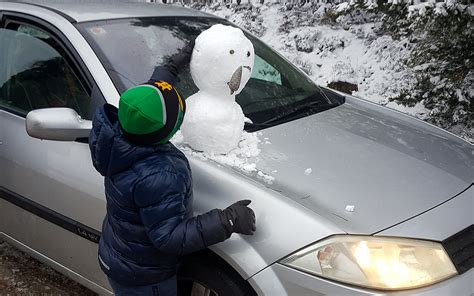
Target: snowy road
x=23, y=275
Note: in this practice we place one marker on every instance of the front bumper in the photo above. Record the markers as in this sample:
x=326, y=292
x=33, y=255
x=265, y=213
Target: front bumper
x=438, y=224
x=281, y=280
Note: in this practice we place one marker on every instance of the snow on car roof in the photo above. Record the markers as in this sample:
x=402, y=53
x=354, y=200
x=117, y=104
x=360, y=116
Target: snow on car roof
x=84, y=11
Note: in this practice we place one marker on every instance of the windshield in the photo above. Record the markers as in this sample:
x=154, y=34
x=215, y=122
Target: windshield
x=131, y=48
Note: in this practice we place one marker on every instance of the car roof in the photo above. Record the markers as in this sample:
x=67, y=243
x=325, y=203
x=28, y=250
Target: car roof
x=83, y=11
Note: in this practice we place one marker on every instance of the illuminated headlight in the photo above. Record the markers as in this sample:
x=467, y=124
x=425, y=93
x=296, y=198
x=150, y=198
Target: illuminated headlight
x=384, y=263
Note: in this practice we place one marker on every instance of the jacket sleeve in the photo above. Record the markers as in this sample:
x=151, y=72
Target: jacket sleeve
x=162, y=201
x=164, y=73
x=169, y=72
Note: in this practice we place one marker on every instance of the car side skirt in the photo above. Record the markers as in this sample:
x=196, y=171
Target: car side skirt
x=50, y=215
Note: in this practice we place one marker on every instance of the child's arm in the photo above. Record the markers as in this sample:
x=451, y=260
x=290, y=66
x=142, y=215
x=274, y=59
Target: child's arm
x=161, y=198
x=169, y=72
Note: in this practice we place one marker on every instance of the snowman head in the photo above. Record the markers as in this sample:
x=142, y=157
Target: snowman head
x=222, y=60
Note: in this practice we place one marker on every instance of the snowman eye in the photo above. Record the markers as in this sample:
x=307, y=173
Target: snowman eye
x=231, y=51
x=248, y=53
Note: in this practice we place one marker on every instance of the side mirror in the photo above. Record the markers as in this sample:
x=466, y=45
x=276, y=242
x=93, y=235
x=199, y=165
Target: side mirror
x=58, y=124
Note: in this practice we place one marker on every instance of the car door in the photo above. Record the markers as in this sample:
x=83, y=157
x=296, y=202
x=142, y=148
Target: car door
x=51, y=197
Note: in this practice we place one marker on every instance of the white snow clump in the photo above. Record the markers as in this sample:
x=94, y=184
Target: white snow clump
x=243, y=157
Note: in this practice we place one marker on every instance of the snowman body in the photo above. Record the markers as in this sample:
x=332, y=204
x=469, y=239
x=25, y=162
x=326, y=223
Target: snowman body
x=217, y=123
x=221, y=65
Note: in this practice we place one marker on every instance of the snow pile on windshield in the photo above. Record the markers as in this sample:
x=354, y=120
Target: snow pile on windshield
x=244, y=157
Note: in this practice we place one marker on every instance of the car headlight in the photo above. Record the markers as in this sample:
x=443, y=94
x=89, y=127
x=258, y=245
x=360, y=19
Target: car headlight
x=384, y=263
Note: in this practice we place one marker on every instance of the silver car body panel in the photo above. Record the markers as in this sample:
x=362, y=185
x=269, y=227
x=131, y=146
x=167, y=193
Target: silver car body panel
x=46, y=242
x=217, y=187
x=388, y=165
x=295, y=211
x=440, y=222
x=58, y=176
x=56, y=173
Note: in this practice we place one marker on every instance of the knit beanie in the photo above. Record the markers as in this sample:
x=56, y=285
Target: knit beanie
x=150, y=114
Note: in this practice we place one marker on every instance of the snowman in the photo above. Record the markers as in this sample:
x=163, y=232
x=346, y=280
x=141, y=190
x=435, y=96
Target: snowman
x=221, y=65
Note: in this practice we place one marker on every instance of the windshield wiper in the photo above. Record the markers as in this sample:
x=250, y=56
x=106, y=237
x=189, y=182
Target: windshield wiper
x=313, y=105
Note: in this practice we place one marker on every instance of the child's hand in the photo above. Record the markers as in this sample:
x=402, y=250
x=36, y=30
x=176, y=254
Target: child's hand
x=241, y=217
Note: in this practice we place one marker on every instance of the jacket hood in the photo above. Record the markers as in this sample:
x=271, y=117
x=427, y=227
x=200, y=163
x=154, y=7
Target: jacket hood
x=110, y=151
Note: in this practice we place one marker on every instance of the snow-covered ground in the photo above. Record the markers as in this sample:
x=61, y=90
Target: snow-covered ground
x=353, y=52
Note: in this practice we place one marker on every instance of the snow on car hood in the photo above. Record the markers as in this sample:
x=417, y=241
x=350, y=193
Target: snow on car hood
x=365, y=167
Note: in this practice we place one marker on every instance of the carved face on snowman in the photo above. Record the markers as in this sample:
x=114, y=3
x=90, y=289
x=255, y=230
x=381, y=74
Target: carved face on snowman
x=222, y=60
x=221, y=65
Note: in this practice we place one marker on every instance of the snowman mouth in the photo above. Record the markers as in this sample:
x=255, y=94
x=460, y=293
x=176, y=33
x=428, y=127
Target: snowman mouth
x=236, y=79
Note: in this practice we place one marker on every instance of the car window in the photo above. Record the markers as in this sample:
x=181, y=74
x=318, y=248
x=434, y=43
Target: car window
x=35, y=73
x=262, y=70
x=130, y=49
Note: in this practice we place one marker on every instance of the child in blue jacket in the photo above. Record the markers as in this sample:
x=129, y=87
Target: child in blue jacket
x=149, y=189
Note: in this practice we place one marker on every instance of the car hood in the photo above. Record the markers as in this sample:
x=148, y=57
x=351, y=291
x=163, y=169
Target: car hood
x=365, y=167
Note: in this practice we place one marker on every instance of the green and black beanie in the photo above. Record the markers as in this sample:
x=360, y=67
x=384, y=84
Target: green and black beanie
x=150, y=114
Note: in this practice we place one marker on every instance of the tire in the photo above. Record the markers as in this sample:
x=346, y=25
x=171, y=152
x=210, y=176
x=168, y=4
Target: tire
x=210, y=276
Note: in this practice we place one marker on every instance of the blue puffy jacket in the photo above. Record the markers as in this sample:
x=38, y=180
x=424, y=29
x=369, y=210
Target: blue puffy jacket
x=149, y=221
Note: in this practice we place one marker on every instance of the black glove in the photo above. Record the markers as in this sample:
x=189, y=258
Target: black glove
x=169, y=71
x=240, y=217
x=181, y=59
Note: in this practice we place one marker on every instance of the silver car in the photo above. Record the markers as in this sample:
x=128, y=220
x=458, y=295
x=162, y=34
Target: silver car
x=364, y=201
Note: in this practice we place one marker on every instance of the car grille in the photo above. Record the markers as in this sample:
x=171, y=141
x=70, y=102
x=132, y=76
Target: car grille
x=460, y=247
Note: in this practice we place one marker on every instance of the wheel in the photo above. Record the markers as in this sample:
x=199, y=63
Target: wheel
x=210, y=276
